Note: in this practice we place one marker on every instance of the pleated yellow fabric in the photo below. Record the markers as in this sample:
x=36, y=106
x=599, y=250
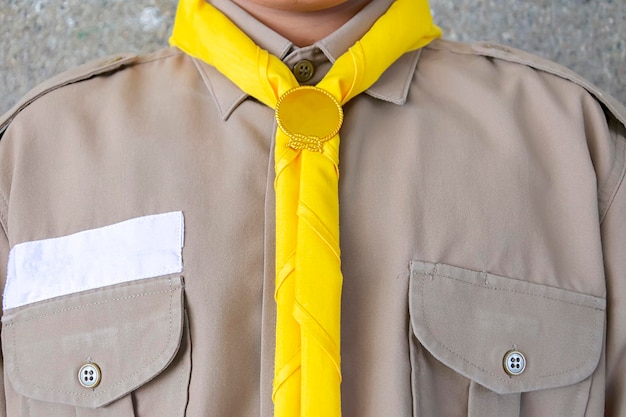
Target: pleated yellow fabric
x=308, y=268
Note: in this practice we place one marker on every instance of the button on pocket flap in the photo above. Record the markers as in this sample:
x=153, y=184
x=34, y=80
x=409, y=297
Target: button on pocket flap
x=88, y=349
x=505, y=334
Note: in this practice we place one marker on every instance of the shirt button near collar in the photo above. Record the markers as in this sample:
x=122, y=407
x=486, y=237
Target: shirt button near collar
x=303, y=70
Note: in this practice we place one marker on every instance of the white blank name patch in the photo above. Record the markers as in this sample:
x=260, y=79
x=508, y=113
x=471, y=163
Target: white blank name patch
x=143, y=247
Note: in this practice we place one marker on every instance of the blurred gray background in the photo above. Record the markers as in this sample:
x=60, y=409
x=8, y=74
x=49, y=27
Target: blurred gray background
x=43, y=37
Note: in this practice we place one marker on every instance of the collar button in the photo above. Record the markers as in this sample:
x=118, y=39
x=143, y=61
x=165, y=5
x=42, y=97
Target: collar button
x=303, y=70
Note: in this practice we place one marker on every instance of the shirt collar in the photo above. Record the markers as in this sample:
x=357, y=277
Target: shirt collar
x=392, y=86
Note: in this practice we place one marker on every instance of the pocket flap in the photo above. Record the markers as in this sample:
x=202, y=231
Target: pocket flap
x=130, y=331
x=471, y=320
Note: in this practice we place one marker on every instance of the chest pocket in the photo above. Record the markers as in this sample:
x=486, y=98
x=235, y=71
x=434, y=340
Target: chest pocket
x=516, y=348
x=113, y=351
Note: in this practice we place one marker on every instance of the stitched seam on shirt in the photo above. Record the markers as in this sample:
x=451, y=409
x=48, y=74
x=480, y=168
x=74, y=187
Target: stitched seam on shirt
x=209, y=85
x=408, y=77
x=575, y=402
x=3, y=214
x=508, y=381
x=622, y=128
x=28, y=400
x=582, y=363
x=185, y=371
x=181, y=373
x=101, y=392
x=225, y=113
x=515, y=291
x=415, y=367
x=147, y=59
x=516, y=56
x=423, y=308
x=52, y=313
x=93, y=72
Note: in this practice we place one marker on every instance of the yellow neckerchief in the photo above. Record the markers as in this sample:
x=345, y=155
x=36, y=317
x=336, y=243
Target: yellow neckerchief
x=307, y=374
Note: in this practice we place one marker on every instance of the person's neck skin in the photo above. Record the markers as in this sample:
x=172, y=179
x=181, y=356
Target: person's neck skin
x=303, y=22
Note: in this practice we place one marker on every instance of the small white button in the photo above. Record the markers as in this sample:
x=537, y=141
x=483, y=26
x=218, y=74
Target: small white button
x=89, y=375
x=514, y=362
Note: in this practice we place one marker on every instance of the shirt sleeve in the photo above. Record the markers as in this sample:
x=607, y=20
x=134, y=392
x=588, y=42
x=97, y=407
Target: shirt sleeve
x=613, y=228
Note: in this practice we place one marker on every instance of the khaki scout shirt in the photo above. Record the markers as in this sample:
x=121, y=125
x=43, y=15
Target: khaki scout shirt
x=482, y=211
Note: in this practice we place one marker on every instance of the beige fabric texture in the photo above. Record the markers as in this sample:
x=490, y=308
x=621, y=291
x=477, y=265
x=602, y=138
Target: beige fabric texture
x=482, y=211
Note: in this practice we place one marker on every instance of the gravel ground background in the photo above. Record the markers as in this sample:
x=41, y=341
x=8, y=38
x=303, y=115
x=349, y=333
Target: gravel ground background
x=43, y=37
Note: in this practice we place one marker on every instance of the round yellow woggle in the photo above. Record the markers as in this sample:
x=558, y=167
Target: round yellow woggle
x=310, y=116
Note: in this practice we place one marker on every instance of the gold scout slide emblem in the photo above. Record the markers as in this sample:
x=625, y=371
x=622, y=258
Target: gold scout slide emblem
x=310, y=116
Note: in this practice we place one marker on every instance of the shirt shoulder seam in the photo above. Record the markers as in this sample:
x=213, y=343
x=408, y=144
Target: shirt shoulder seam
x=102, y=66
x=517, y=56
